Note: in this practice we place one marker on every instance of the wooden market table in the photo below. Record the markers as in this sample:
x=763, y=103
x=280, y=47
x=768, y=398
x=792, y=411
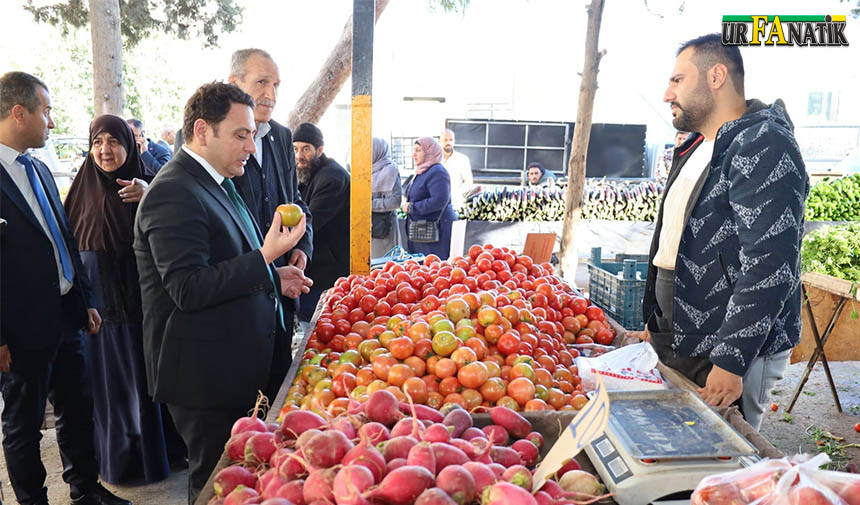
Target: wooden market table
x=825, y=299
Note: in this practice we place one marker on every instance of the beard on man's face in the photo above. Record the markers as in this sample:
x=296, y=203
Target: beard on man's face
x=448, y=149
x=691, y=116
x=304, y=172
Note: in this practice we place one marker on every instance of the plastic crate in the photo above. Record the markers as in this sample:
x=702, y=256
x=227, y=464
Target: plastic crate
x=618, y=287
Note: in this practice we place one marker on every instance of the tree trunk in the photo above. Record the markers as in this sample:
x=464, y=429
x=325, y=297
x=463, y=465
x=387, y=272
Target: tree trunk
x=320, y=94
x=568, y=257
x=108, y=90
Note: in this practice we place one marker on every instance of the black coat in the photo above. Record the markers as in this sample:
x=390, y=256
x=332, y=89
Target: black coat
x=208, y=300
x=31, y=311
x=327, y=194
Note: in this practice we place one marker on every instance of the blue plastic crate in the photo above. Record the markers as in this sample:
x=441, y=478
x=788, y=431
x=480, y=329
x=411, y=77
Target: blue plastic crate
x=618, y=287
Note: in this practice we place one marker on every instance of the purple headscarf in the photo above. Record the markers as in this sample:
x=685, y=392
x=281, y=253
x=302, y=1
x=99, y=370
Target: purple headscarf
x=432, y=154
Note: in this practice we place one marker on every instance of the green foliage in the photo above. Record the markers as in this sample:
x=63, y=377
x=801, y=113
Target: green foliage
x=449, y=5
x=835, y=200
x=66, y=66
x=833, y=250
x=179, y=18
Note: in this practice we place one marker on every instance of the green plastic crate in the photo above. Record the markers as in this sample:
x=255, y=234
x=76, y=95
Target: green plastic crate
x=618, y=287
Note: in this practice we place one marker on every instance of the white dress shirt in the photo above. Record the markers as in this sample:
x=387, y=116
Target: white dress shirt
x=263, y=129
x=460, y=169
x=19, y=176
x=676, y=203
x=209, y=168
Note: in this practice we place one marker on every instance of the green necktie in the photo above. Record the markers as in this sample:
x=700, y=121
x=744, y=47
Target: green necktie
x=245, y=217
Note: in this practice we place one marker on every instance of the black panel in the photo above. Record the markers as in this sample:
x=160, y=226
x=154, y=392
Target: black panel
x=468, y=133
x=505, y=158
x=546, y=135
x=475, y=154
x=550, y=159
x=507, y=134
x=616, y=150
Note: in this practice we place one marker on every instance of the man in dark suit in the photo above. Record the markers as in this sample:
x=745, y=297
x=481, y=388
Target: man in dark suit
x=153, y=154
x=270, y=180
x=45, y=301
x=325, y=186
x=210, y=288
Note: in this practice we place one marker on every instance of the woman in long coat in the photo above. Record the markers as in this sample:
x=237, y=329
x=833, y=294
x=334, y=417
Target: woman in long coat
x=386, y=194
x=428, y=197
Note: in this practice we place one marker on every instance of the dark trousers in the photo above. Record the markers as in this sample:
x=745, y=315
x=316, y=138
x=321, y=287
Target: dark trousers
x=205, y=431
x=59, y=375
x=282, y=358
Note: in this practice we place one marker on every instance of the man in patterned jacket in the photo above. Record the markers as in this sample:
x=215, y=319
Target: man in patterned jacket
x=722, y=300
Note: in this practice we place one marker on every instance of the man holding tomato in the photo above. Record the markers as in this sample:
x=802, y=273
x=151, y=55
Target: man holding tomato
x=722, y=299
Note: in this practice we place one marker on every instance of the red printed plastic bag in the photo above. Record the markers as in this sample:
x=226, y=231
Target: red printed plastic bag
x=780, y=482
x=630, y=368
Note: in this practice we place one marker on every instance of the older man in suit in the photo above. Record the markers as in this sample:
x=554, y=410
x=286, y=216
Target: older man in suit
x=46, y=301
x=270, y=179
x=210, y=288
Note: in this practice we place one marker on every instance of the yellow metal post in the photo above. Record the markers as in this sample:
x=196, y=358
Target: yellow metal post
x=362, y=143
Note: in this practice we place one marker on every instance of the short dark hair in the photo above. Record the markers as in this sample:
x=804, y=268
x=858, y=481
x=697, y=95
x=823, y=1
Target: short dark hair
x=136, y=123
x=19, y=88
x=211, y=103
x=537, y=165
x=709, y=50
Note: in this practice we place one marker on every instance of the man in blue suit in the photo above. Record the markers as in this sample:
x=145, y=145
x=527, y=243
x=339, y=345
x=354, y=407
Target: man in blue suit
x=153, y=154
x=45, y=302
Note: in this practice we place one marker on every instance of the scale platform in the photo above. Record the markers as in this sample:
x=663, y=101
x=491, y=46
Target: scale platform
x=660, y=444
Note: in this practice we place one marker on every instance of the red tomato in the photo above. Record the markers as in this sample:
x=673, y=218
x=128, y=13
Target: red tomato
x=579, y=305
x=594, y=313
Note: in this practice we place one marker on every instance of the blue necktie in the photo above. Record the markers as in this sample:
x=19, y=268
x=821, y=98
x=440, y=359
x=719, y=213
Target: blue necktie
x=50, y=218
x=245, y=217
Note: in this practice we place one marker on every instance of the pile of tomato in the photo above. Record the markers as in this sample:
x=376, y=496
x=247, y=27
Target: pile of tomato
x=491, y=328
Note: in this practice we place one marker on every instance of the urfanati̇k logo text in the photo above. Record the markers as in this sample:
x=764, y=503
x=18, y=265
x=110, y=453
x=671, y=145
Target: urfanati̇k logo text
x=784, y=30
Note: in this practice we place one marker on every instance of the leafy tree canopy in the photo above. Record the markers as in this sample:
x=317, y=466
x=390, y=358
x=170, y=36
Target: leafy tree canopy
x=206, y=19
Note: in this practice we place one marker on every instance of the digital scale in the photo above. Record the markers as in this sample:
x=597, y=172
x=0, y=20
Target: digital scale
x=661, y=444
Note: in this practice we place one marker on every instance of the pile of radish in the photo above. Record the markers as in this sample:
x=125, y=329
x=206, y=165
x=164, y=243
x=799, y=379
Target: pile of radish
x=386, y=452
x=491, y=328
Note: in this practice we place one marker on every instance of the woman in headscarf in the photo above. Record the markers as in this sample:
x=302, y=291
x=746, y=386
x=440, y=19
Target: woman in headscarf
x=386, y=194
x=428, y=197
x=101, y=205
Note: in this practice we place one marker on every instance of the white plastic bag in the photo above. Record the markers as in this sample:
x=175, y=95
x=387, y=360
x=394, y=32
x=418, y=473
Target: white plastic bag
x=630, y=368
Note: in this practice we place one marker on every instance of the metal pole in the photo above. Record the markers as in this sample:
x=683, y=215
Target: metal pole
x=362, y=149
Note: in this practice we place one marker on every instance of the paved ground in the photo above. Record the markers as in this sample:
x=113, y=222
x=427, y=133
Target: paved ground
x=814, y=409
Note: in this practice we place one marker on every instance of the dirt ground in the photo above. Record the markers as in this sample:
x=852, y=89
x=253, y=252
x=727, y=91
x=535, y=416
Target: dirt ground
x=814, y=417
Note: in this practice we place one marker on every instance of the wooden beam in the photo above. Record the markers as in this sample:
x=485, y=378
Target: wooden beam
x=362, y=141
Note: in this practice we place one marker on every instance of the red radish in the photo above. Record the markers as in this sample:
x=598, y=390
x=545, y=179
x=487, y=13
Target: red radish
x=807, y=495
x=468, y=449
x=505, y=493
x=528, y=451
x=519, y=476
x=235, y=447
x=472, y=432
x=350, y=483
x=275, y=483
x=264, y=479
x=516, y=424
x=459, y=419
x=292, y=491
x=215, y=501
x=437, y=432
x=244, y=424
x=434, y=496
x=850, y=492
x=497, y=434
x=482, y=474
x=497, y=469
x=345, y=426
x=448, y=455
x=367, y=456
x=276, y=501
x=583, y=484
x=458, y=483
x=278, y=457
x=259, y=448
x=382, y=406
x=318, y=485
x=422, y=412
x=552, y=488
x=272, y=427
x=569, y=465
x=543, y=498
x=294, y=465
x=307, y=435
x=394, y=464
x=243, y=496
x=296, y=422
x=408, y=426
x=231, y=477
x=505, y=456
x=397, y=447
x=374, y=433
x=535, y=438
x=422, y=455
x=326, y=449
x=402, y=485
